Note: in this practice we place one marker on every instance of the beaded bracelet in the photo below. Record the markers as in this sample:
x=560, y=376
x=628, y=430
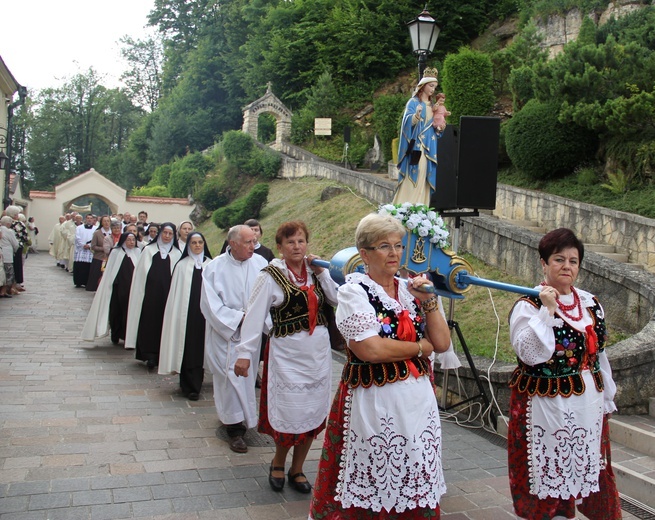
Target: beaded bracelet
x=420, y=349
x=430, y=305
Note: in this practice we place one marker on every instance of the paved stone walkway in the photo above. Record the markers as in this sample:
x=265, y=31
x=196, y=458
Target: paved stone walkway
x=86, y=432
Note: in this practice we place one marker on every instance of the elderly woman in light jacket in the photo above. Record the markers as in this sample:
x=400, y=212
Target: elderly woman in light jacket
x=8, y=247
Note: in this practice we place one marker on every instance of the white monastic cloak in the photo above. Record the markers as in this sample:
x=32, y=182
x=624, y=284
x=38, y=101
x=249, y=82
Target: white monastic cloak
x=97, y=322
x=226, y=286
x=138, y=290
x=173, y=335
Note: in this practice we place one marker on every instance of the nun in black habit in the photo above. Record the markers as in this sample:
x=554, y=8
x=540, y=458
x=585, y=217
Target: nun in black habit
x=183, y=336
x=148, y=294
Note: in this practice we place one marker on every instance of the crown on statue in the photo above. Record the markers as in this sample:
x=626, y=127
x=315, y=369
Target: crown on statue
x=431, y=72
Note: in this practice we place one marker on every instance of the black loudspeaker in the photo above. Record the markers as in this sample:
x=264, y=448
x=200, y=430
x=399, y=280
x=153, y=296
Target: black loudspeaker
x=467, y=169
x=346, y=134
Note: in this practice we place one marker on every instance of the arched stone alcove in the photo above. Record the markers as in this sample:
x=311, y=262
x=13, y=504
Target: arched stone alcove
x=268, y=104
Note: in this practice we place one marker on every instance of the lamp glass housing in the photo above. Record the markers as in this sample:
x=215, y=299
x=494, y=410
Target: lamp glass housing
x=424, y=32
x=3, y=160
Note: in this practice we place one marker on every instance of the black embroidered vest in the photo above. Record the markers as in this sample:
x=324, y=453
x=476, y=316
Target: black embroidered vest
x=293, y=315
x=357, y=372
x=561, y=374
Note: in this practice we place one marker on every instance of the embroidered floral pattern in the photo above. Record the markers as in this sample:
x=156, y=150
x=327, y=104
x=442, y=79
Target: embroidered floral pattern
x=382, y=474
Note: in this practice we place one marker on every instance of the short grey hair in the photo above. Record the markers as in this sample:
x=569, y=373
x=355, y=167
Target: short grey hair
x=374, y=227
x=6, y=220
x=14, y=211
x=235, y=231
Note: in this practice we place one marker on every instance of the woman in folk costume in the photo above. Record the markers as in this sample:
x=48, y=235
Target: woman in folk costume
x=562, y=395
x=109, y=308
x=295, y=395
x=183, y=336
x=382, y=452
x=150, y=286
x=417, y=145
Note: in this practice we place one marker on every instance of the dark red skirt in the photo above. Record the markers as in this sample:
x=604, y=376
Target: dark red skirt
x=602, y=505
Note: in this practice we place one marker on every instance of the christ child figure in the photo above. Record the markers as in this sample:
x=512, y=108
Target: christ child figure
x=439, y=113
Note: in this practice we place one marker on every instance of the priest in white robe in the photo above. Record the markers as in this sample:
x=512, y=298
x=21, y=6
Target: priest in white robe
x=227, y=283
x=83, y=253
x=183, y=335
x=55, y=241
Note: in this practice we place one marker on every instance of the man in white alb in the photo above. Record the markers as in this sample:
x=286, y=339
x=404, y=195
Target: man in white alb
x=227, y=282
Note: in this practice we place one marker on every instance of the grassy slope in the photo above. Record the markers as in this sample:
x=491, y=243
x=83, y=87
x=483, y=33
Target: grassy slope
x=332, y=228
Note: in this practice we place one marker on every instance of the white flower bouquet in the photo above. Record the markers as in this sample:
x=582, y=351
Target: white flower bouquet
x=420, y=221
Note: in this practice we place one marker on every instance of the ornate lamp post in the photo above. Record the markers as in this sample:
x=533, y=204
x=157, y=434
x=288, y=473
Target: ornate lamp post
x=424, y=32
x=22, y=95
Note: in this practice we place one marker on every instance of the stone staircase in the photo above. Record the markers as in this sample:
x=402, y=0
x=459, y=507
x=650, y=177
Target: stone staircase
x=633, y=456
x=605, y=250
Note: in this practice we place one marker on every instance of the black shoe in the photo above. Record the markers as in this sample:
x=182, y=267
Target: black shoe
x=302, y=487
x=238, y=445
x=151, y=364
x=79, y=286
x=276, y=483
x=114, y=340
x=192, y=396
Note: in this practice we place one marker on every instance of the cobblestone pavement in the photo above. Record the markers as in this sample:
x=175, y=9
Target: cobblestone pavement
x=86, y=432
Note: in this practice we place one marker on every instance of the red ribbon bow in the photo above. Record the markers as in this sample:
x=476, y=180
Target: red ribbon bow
x=312, y=304
x=407, y=332
x=592, y=340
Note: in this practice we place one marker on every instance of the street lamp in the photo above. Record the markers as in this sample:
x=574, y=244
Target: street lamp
x=424, y=32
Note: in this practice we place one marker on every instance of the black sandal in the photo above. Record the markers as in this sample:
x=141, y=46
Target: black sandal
x=276, y=483
x=302, y=487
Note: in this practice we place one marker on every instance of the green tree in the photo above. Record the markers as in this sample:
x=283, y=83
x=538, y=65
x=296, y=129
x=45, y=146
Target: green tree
x=143, y=79
x=467, y=82
x=79, y=126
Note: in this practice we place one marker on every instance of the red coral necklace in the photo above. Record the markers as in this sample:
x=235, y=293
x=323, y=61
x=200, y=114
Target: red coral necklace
x=564, y=309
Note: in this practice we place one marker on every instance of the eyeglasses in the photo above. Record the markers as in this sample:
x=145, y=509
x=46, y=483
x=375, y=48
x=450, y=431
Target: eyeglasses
x=387, y=248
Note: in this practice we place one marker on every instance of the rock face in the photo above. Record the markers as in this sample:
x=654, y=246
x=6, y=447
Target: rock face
x=558, y=30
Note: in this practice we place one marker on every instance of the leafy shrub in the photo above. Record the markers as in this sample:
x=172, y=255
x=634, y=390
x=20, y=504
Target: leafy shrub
x=242, y=209
x=161, y=175
x=617, y=182
x=541, y=146
x=388, y=111
x=264, y=163
x=237, y=146
x=186, y=172
x=586, y=175
x=521, y=84
x=151, y=191
x=215, y=192
x=302, y=126
x=468, y=83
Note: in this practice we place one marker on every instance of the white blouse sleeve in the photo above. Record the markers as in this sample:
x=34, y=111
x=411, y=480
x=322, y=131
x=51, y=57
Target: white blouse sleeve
x=608, y=382
x=355, y=316
x=531, y=333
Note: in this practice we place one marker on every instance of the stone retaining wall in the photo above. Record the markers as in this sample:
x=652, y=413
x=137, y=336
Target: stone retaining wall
x=630, y=234
x=627, y=293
